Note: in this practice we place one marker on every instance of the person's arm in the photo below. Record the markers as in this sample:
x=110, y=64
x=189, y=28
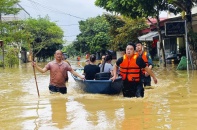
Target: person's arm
x=150, y=64
x=150, y=72
x=77, y=74
x=140, y=62
x=115, y=68
x=111, y=70
x=42, y=70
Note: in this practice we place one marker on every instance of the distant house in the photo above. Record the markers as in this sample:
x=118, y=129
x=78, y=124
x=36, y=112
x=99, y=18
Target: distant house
x=22, y=15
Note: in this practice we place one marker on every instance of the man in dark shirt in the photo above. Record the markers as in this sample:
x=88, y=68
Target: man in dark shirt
x=91, y=69
x=130, y=69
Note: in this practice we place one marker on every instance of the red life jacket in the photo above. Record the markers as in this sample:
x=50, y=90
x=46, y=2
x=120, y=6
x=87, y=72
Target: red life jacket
x=129, y=69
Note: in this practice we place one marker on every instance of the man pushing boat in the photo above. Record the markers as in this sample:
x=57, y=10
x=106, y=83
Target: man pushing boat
x=58, y=73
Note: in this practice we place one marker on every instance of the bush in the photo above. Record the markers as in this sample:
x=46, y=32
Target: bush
x=11, y=57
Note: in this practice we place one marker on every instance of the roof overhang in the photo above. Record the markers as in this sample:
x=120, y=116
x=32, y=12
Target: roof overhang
x=150, y=36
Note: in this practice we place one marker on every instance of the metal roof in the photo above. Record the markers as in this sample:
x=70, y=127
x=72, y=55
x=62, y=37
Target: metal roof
x=149, y=36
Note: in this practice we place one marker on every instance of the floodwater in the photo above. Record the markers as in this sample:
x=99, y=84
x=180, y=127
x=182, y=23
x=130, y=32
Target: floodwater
x=169, y=105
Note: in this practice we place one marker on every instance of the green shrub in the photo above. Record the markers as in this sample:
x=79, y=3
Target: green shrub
x=11, y=57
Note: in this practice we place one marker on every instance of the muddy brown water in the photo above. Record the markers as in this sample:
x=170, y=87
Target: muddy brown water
x=171, y=104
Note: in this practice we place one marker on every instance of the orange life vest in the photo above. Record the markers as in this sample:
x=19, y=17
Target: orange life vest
x=144, y=57
x=129, y=69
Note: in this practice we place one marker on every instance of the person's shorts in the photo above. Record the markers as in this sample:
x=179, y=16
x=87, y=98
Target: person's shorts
x=132, y=89
x=62, y=90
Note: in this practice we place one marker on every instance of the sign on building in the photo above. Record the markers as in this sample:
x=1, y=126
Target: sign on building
x=175, y=28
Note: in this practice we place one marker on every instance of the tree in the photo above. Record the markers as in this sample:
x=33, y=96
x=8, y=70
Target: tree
x=11, y=57
x=45, y=36
x=136, y=9
x=70, y=50
x=123, y=30
x=94, y=34
x=7, y=7
x=186, y=6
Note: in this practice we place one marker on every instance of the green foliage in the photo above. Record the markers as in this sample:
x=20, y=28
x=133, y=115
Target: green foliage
x=135, y=8
x=183, y=5
x=11, y=57
x=44, y=36
x=186, y=6
x=10, y=30
x=7, y=7
x=138, y=9
x=70, y=50
x=94, y=35
x=124, y=30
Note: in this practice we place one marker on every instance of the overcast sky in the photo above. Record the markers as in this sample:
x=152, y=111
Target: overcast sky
x=66, y=13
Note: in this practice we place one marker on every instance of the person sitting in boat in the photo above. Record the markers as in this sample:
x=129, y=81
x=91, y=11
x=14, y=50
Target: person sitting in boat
x=91, y=69
x=58, y=72
x=102, y=60
x=106, y=66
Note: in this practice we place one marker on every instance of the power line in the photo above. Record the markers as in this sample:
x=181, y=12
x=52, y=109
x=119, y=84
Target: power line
x=56, y=10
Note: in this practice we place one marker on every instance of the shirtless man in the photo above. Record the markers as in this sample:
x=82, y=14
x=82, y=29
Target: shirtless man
x=58, y=73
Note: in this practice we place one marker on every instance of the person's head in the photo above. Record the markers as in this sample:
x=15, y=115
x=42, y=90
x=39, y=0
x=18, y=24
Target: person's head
x=130, y=49
x=139, y=46
x=58, y=55
x=92, y=58
x=103, y=59
x=108, y=58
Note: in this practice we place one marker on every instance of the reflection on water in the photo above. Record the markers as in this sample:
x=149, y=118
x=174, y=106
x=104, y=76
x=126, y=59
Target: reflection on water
x=59, y=114
x=171, y=104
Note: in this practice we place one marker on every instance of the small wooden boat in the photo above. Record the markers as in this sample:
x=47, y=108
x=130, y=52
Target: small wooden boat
x=101, y=86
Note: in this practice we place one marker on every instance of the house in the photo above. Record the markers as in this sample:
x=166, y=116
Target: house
x=22, y=15
x=172, y=44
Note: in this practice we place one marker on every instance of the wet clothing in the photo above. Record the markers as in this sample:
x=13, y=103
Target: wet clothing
x=90, y=71
x=58, y=74
x=132, y=86
x=132, y=89
x=147, y=58
x=62, y=90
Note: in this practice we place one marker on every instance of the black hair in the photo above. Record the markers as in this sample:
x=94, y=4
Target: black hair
x=108, y=57
x=92, y=58
x=138, y=42
x=131, y=44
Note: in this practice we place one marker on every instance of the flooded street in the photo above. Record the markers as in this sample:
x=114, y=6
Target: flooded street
x=170, y=105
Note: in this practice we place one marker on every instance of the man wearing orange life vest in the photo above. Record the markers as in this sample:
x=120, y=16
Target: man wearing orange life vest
x=130, y=66
x=146, y=79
